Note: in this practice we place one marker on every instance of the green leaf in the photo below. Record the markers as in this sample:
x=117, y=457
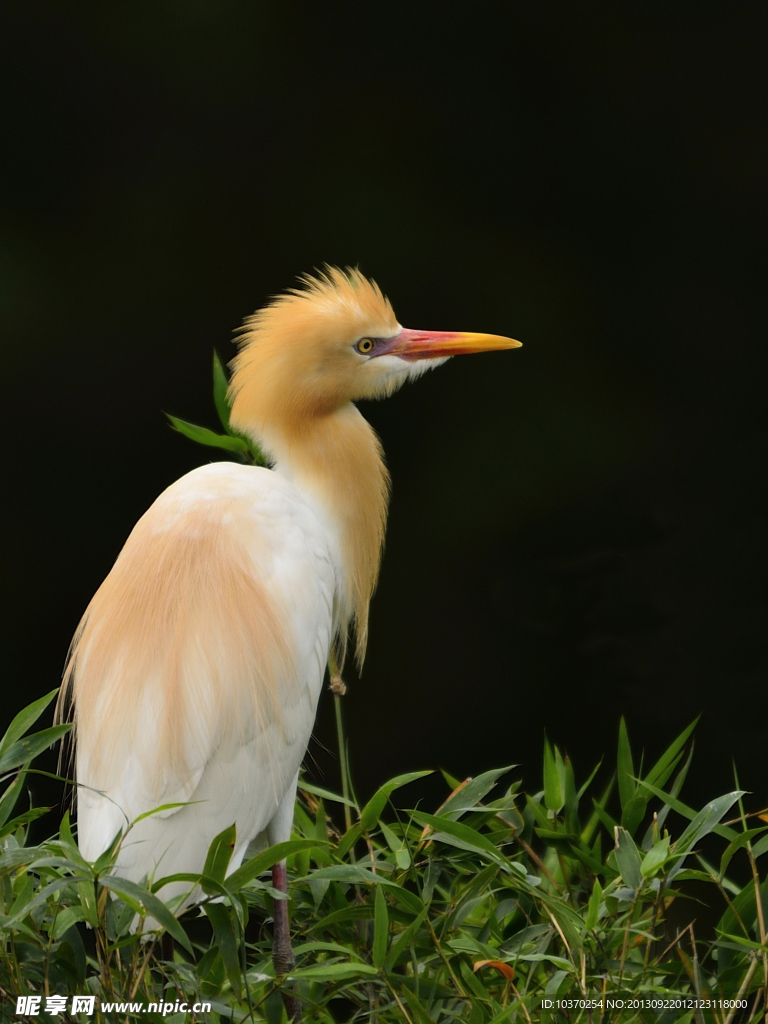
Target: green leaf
x=593, y=907
x=266, y=859
x=25, y=719
x=705, y=822
x=355, y=874
x=326, y=794
x=105, y=860
x=469, y=794
x=380, y=929
x=625, y=768
x=687, y=812
x=655, y=858
x=634, y=812
x=553, y=794
x=406, y=938
x=333, y=972
x=666, y=764
x=29, y=747
x=137, y=894
x=349, y=839
x=472, y=839
x=202, y=435
x=23, y=819
x=628, y=859
x=220, y=854
x=742, y=839
x=372, y=810
x=570, y=797
x=607, y=821
x=760, y=847
x=743, y=910
x=10, y=797
x=220, y=388
x=226, y=941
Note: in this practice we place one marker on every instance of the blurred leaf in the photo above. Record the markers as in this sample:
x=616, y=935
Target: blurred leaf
x=326, y=794
x=151, y=904
x=625, y=768
x=741, y=840
x=655, y=858
x=570, y=797
x=23, y=819
x=24, y=750
x=634, y=812
x=25, y=719
x=10, y=797
x=705, y=822
x=666, y=764
x=220, y=854
x=202, y=435
x=469, y=793
x=593, y=908
x=333, y=972
x=687, y=812
x=373, y=809
x=453, y=829
x=628, y=859
x=266, y=859
x=220, y=387
x=226, y=940
x=380, y=930
x=553, y=794
x=405, y=938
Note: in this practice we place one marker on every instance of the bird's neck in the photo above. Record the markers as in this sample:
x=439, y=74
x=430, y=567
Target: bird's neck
x=337, y=461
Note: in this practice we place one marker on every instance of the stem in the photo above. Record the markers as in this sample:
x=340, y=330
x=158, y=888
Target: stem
x=339, y=689
x=344, y=764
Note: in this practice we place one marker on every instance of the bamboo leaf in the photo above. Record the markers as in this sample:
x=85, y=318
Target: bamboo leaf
x=130, y=891
x=593, y=907
x=27, y=748
x=628, y=858
x=625, y=768
x=226, y=940
x=553, y=794
x=25, y=719
x=655, y=858
x=220, y=388
x=266, y=859
x=220, y=854
x=202, y=435
x=380, y=929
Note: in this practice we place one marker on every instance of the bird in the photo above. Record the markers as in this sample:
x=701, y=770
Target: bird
x=194, y=675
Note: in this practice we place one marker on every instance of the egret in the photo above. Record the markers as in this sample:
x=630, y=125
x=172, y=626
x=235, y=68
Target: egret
x=196, y=670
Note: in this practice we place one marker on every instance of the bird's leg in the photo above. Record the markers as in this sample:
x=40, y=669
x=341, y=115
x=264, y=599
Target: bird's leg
x=282, y=954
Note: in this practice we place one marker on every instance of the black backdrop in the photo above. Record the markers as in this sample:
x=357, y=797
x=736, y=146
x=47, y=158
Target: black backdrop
x=578, y=528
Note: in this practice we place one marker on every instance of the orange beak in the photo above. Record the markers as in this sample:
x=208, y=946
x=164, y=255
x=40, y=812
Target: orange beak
x=439, y=344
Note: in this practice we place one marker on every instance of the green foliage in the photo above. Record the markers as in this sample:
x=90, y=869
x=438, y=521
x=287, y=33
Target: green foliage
x=240, y=445
x=479, y=911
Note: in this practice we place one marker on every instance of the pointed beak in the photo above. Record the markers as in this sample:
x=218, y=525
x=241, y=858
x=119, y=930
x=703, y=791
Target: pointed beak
x=439, y=344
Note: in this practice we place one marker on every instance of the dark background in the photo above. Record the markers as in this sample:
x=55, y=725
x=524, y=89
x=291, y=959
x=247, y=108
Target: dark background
x=578, y=529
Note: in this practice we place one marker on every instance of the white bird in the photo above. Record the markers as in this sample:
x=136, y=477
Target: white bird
x=197, y=667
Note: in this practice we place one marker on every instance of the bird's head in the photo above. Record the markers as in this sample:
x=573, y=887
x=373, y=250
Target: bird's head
x=333, y=341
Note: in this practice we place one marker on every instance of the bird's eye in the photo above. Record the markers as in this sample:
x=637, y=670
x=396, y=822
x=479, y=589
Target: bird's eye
x=364, y=346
